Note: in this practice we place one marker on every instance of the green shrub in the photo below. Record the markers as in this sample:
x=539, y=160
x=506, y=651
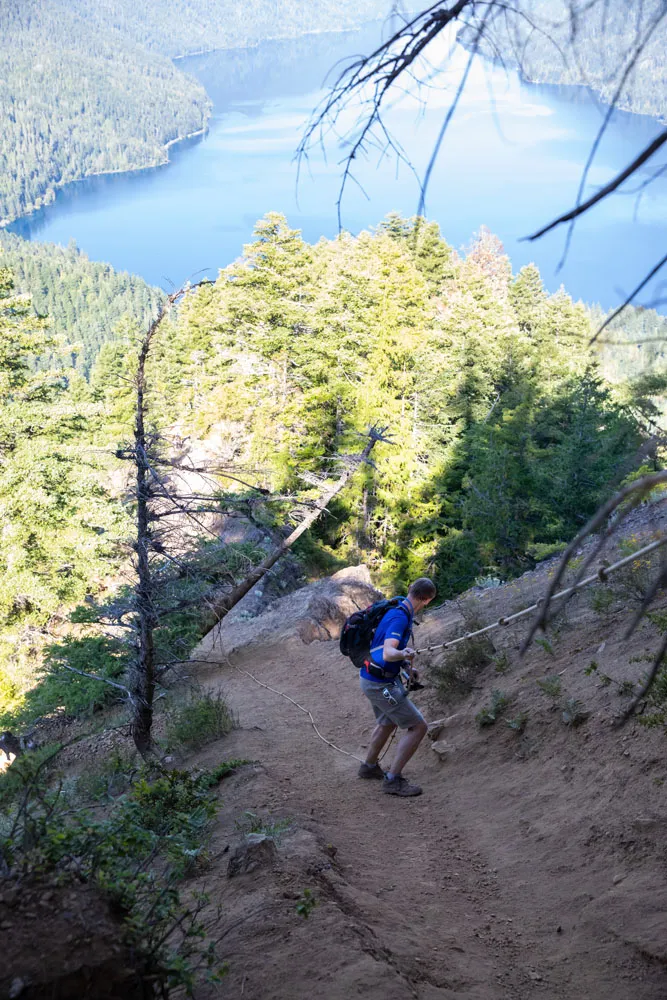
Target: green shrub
x=539, y=551
x=543, y=643
x=306, y=904
x=135, y=852
x=250, y=822
x=574, y=712
x=488, y=582
x=633, y=582
x=489, y=715
x=200, y=719
x=60, y=689
x=518, y=723
x=108, y=779
x=455, y=675
x=502, y=663
x=550, y=686
x=601, y=599
x=29, y=768
x=214, y=775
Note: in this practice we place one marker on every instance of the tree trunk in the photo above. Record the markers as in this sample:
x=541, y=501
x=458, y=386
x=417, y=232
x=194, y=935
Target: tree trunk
x=143, y=674
x=225, y=603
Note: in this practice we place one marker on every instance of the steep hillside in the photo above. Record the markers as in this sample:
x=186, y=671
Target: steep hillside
x=534, y=863
x=88, y=303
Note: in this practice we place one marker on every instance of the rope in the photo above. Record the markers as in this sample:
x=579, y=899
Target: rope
x=601, y=575
x=301, y=709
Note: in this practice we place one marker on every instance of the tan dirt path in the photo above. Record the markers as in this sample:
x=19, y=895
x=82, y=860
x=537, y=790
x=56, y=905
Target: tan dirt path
x=498, y=882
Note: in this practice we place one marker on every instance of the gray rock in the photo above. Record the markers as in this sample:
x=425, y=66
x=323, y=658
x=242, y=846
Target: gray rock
x=314, y=613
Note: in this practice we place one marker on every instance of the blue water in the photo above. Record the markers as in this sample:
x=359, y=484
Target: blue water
x=511, y=160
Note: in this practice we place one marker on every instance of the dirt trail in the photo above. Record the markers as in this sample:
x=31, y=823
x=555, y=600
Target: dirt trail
x=531, y=866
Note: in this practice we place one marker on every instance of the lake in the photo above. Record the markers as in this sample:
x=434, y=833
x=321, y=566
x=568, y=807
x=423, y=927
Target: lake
x=511, y=160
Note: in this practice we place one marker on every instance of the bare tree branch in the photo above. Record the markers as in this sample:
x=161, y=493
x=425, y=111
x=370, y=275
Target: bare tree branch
x=616, y=182
x=102, y=680
x=637, y=490
x=373, y=79
x=223, y=605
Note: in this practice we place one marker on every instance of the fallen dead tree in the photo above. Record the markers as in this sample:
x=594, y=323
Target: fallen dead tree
x=222, y=605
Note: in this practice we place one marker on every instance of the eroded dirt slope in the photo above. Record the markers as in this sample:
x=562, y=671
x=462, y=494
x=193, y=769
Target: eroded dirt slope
x=534, y=864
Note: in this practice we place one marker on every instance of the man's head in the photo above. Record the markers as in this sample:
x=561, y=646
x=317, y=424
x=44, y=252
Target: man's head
x=421, y=592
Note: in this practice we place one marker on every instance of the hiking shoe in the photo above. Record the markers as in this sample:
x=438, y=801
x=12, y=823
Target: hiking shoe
x=400, y=786
x=371, y=771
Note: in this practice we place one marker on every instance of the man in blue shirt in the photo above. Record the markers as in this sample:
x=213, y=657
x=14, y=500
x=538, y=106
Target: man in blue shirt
x=380, y=680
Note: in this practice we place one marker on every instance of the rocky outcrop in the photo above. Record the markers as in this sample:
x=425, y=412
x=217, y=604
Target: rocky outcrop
x=313, y=613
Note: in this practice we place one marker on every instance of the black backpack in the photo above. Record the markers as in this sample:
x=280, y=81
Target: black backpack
x=357, y=633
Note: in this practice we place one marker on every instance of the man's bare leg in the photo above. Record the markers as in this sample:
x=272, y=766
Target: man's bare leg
x=379, y=737
x=407, y=745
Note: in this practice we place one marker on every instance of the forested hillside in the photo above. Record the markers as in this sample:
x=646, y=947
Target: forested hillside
x=87, y=88
x=55, y=502
x=506, y=435
x=87, y=303
x=493, y=396
x=593, y=48
x=633, y=344
x=81, y=98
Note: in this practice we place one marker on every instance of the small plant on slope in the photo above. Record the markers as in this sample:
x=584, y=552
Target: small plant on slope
x=200, y=719
x=456, y=674
x=550, y=686
x=574, y=712
x=542, y=641
x=518, y=723
x=490, y=713
x=252, y=823
x=601, y=599
x=306, y=904
x=502, y=663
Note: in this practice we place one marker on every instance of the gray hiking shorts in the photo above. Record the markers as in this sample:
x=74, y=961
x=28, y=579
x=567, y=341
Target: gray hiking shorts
x=403, y=714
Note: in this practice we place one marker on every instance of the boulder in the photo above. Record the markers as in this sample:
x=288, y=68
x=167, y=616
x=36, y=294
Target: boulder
x=443, y=749
x=314, y=613
x=436, y=727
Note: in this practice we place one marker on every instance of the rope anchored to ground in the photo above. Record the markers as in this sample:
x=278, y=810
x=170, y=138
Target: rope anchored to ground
x=599, y=576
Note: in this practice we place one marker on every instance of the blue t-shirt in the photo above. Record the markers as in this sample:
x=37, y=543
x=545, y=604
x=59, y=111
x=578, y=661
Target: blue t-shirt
x=396, y=624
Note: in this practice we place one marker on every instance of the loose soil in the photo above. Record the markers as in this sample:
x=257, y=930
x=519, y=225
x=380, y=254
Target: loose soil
x=62, y=941
x=533, y=865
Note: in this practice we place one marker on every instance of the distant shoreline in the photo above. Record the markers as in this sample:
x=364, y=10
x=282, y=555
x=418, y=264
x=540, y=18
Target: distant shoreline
x=6, y=223
x=146, y=166
x=163, y=162
x=276, y=38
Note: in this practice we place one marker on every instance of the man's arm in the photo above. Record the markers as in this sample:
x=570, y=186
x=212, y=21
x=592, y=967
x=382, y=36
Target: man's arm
x=392, y=654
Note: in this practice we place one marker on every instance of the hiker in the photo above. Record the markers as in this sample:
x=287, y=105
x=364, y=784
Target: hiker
x=380, y=679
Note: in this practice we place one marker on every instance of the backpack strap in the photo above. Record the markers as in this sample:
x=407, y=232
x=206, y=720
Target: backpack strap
x=399, y=607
